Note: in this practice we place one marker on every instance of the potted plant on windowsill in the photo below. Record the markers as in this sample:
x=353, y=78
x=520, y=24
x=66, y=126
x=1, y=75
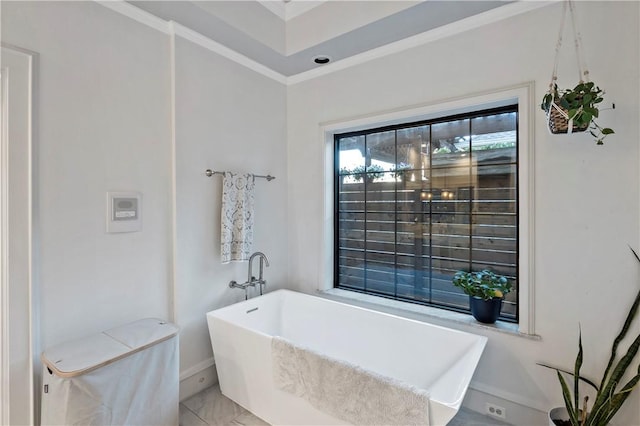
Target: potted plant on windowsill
x=486, y=291
x=608, y=396
x=575, y=110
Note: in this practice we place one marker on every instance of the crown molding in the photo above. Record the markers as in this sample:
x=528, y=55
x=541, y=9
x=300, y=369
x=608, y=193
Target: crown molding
x=287, y=10
x=214, y=46
x=137, y=14
x=295, y=8
x=174, y=28
x=276, y=7
x=458, y=27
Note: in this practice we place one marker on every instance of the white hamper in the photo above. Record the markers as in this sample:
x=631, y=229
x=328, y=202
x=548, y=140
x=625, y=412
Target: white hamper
x=124, y=376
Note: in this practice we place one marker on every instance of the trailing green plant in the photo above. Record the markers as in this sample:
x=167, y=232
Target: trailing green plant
x=372, y=172
x=484, y=284
x=609, y=398
x=497, y=145
x=401, y=169
x=443, y=150
x=581, y=104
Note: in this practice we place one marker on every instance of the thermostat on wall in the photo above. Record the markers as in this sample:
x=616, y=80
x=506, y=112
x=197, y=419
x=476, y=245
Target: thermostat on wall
x=124, y=212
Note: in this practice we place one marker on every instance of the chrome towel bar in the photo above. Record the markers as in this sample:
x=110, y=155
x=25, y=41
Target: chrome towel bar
x=210, y=173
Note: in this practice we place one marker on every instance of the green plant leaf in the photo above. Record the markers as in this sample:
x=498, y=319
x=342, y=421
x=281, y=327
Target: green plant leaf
x=592, y=111
x=573, y=412
x=576, y=373
x=584, y=118
x=607, y=131
x=481, y=283
x=546, y=102
x=618, y=399
x=584, y=379
x=619, y=370
x=573, y=113
x=608, y=400
x=606, y=386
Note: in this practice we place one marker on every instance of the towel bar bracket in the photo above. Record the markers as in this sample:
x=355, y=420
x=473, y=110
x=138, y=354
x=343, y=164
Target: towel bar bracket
x=210, y=173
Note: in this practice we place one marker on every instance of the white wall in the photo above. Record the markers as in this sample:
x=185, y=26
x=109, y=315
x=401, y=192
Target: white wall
x=587, y=204
x=227, y=118
x=103, y=114
x=103, y=122
x=102, y=108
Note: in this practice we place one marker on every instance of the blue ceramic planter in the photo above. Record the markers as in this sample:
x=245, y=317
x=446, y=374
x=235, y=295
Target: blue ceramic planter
x=486, y=311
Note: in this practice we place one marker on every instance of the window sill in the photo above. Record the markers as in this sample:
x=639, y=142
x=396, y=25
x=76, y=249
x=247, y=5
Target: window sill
x=421, y=312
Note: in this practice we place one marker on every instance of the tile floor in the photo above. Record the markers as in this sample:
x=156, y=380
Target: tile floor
x=210, y=407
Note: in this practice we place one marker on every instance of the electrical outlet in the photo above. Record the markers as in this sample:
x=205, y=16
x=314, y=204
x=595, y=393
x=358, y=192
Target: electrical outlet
x=495, y=411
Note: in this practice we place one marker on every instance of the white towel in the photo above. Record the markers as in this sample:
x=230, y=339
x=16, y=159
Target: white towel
x=236, y=234
x=346, y=391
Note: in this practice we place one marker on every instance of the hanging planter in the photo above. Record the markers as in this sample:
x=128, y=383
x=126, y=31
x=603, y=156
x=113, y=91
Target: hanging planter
x=574, y=110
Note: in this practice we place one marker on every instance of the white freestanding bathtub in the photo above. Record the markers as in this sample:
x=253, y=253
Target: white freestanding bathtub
x=436, y=359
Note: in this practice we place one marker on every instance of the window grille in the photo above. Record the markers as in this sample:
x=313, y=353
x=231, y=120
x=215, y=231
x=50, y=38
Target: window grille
x=416, y=202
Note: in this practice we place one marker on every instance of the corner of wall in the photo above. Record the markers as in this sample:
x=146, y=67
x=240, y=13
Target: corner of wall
x=197, y=379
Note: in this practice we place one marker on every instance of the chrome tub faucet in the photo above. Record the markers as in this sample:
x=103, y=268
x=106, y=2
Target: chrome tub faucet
x=264, y=261
x=251, y=280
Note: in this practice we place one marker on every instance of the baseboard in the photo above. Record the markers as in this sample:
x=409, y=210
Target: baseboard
x=197, y=378
x=516, y=412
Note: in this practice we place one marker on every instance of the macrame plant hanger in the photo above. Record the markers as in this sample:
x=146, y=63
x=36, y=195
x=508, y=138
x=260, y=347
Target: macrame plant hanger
x=558, y=116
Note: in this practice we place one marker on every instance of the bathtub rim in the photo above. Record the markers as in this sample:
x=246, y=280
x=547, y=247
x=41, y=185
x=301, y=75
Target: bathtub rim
x=281, y=292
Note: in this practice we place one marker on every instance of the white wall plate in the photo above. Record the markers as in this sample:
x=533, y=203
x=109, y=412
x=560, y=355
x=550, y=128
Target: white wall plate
x=124, y=212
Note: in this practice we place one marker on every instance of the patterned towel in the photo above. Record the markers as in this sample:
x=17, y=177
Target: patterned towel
x=236, y=235
x=346, y=391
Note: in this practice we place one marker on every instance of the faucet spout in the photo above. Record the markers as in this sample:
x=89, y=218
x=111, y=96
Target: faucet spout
x=264, y=260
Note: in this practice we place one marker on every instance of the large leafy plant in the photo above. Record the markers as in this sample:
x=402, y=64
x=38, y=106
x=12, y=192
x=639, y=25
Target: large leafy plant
x=609, y=398
x=582, y=104
x=374, y=171
x=484, y=284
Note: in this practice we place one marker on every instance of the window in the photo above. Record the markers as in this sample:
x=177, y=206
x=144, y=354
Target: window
x=416, y=202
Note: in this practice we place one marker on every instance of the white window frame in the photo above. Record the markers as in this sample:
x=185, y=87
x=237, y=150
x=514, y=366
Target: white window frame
x=523, y=96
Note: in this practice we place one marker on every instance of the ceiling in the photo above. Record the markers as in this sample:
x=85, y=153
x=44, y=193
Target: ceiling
x=289, y=9
x=286, y=36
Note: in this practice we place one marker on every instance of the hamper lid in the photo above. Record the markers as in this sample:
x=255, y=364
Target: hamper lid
x=143, y=333
x=80, y=356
